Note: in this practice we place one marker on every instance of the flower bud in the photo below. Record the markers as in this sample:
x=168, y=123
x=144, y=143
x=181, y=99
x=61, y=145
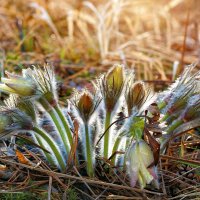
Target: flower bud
x=112, y=86
x=18, y=85
x=85, y=105
x=6, y=89
x=23, y=104
x=135, y=96
x=28, y=108
x=45, y=83
x=114, y=78
x=139, y=159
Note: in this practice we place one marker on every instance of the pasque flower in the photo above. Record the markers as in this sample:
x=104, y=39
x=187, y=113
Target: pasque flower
x=184, y=87
x=40, y=84
x=45, y=81
x=181, y=103
x=190, y=111
x=111, y=86
x=139, y=162
x=34, y=81
x=16, y=121
x=22, y=86
x=23, y=104
x=86, y=104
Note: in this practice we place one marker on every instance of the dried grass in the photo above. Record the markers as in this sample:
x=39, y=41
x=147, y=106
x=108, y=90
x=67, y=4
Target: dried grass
x=146, y=34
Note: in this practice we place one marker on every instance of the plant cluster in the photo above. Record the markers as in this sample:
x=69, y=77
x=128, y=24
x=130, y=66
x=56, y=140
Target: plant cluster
x=120, y=119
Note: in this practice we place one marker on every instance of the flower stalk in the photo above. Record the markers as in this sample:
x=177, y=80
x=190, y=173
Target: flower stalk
x=54, y=148
x=107, y=135
x=89, y=152
x=65, y=124
x=86, y=104
x=115, y=149
x=57, y=122
x=111, y=88
x=47, y=155
x=173, y=126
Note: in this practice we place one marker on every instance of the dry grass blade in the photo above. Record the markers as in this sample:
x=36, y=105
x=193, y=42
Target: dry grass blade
x=122, y=197
x=84, y=181
x=106, y=30
x=50, y=188
x=195, y=162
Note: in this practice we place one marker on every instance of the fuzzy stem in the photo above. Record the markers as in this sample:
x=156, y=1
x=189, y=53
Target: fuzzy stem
x=115, y=148
x=164, y=141
x=89, y=152
x=107, y=136
x=58, y=124
x=164, y=117
x=173, y=126
x=65, y=124
x=54, y=148
x=161, y=105
x=47, y=155
x=128, y=140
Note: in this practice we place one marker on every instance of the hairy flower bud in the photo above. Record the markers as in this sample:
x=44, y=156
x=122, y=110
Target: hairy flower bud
x=23, y=104
x=6, y=89
x=135, y=96
x=114, y=78
x=18, y=85
x=45, y=81
x=85, y=105
x=112, y=85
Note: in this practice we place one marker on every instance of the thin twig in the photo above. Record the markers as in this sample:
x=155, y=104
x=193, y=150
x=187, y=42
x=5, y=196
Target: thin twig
x=195, y=162
x=163, y=182
x=49, y=189
x=84, y=181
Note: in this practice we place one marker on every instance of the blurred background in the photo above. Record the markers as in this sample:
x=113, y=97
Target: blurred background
x=84, y=38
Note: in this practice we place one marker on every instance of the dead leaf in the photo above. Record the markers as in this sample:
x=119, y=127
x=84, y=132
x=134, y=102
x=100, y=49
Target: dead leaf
x=21, y=158
x=3, y=167
x=155, y=146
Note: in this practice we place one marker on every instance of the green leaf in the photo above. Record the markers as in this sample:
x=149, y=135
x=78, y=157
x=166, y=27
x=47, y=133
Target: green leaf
x=136, y=127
